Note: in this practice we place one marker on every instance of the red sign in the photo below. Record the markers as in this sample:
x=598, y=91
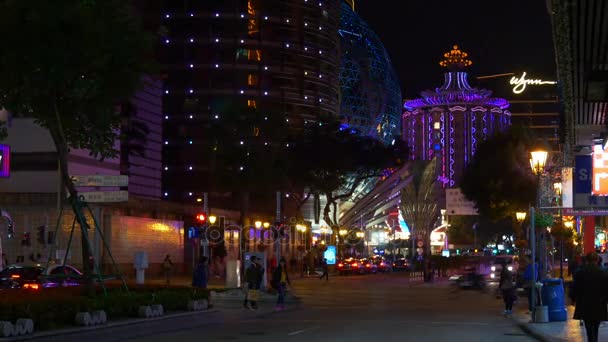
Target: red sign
x=599, y=184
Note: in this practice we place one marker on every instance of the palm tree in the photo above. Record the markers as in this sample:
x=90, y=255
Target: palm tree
x=418, y=200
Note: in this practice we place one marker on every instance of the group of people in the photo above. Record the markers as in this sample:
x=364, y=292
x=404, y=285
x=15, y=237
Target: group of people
x=587, y=292
x=254, y=276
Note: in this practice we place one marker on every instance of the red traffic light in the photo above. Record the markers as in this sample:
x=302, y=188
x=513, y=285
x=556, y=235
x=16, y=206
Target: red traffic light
x=201, y=217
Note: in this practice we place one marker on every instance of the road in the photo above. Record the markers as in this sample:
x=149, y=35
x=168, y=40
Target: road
x=353, y=308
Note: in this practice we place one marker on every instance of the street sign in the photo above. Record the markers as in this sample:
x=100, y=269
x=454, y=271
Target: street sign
x=104, y=196
x=457, y=204
x=582, y=174
x=101, y=180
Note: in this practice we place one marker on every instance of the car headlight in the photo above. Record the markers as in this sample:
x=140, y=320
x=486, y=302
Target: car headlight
x=493, y=268
x=510, y=268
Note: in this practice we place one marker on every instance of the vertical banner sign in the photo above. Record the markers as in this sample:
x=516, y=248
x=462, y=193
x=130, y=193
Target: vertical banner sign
x=582, y=175
x=330, y=255
x=600, y=171
x=5, y=161
x=567, y=187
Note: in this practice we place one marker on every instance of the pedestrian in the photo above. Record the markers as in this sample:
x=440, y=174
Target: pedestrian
x=508, y=290
x=200, y=277
x=253, y=277
x=589, y=295
x=167, y=267
x=324, y=267
x=529, y=285
x=280, y=280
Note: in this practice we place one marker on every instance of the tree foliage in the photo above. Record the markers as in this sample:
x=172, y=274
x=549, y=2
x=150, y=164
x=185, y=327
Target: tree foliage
x=332, y=160
x=419, y=199
x=499, y=178
x=70, y=64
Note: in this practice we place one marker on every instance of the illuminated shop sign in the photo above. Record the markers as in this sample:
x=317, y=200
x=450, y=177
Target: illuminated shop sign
x=600, y=172
x=520, y=83
x=5, y=161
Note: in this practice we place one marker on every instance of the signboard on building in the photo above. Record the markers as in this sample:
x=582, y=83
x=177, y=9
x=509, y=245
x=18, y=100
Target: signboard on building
x=104, y=196
x=457, y=204
x=567, y=187
x=582, y=174
x=330, y=255
x=520, y=83
x=585, y=183
x=600, y=171
x=101, y=180
x=5, y=161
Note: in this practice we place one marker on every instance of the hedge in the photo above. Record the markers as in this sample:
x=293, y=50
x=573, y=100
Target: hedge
x=55, y=308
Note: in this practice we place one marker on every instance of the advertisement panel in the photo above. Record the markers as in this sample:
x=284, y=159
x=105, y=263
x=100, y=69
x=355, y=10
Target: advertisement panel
x=330, y=255
x=567, y=187
x=457, y=204
x=582, y=174
x=600, y=171
x=5, y=161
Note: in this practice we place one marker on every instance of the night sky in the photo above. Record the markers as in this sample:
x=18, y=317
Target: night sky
x=500, y=37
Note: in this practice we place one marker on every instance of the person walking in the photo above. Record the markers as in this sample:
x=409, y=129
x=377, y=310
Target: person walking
x=590, y=297
x=253, y=276
x=167, y=267
x=200, y=276
x=508, y=290
x=280, y=280
x=325, y=269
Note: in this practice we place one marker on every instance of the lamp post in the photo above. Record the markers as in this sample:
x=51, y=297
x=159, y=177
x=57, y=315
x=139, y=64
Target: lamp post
x=342, y=233
x=538, y=161
x=521, y=217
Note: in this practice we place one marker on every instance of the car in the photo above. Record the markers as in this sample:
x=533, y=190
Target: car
x=401, y=264
x=499, y=263
x=36, y=277
x=367, y=266
x=349, y=266
x=381, y=263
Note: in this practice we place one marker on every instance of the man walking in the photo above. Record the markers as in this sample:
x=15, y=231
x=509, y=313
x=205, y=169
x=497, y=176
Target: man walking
x=590, y=297
x=253, y=276
x=167, y=267
x=325, y=270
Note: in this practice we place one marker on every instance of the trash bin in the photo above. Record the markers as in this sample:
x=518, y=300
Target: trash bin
x=554, y=298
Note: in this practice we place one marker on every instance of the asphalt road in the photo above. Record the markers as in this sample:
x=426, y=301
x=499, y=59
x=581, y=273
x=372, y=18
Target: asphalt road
x=353, y=308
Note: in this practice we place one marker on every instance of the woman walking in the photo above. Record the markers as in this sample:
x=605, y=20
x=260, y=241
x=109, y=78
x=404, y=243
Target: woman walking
x=507, y=289
x=280, y=280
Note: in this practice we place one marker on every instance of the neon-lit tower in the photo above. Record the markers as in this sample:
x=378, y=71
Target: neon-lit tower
x=450, y=121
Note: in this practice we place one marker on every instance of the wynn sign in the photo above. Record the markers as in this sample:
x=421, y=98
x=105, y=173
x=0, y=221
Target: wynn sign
x=519, y=83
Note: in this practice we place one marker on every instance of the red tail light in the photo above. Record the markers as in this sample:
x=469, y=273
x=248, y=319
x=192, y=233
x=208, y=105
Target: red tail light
x=340, y=265
x=394, y=264
x=31, y=286
x=355, y=265
x=381, y=264
x=368, y=265
x=15, y=276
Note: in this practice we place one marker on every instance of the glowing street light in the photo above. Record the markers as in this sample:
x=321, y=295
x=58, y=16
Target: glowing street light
x=258, y=224
x=266, y=225
x=538, y=161
x=360, y=234
x=212, y=219
x=557, y=187
x=343, y=232
x=521, y=216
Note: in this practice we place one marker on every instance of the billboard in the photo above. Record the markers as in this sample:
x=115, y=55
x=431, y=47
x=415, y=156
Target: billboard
x=457, y=204
x=5, y=161
x=330, y=255
x=582, y=174
x=600, y=171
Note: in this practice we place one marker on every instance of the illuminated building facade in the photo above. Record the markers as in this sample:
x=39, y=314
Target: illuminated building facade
x=450, y=121
x=369, y=88
x=276, y=56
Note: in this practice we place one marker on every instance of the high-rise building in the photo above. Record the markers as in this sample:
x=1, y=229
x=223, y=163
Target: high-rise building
x=450, y=121
x=277, y=57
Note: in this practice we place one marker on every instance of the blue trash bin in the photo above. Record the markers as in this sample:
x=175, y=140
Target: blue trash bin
x=554, y=298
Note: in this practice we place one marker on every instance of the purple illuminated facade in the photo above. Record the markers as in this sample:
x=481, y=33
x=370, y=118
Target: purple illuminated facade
x=450, y=121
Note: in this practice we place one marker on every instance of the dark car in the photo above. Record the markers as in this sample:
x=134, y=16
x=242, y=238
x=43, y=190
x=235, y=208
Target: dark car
x=368, y=266
x=381, y=263
x=349, y=266
x=401, y=264
x=36, y=277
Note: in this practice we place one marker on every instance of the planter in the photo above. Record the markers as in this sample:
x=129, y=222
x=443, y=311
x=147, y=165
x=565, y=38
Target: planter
x=150, y=311
x=23, y=326
x=93, y=318
x=198, y=305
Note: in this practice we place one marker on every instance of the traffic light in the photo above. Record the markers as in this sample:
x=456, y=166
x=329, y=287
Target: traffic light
x=40, y=235
x=201, y=218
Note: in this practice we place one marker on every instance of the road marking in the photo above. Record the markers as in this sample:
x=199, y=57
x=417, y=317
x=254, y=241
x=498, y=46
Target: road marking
x=300, y=331
x=339, y=307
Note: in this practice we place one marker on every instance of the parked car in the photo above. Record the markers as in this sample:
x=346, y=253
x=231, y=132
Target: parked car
x=401, y=264
x=36, y=277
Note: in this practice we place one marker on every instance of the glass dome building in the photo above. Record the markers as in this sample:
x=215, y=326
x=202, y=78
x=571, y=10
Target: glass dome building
x=370, y=96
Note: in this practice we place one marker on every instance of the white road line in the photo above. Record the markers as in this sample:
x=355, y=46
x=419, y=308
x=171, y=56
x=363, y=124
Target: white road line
x=300, y=331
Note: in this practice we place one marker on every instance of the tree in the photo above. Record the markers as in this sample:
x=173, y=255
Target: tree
x=331, y=160
x=419, y=199
x=498, y=178
x=70, y=64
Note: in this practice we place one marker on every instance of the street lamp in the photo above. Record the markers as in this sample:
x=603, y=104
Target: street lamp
x=212, y=219
x=521, y=216
x=266, y=225
x=258, y=224
x=360, y=234
x=538, y=161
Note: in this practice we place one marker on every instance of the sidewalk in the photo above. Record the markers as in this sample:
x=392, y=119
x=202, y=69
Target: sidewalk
x=570, y=330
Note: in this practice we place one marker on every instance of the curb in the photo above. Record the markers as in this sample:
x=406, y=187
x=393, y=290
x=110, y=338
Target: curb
x=134, y=321
x=532, y=333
